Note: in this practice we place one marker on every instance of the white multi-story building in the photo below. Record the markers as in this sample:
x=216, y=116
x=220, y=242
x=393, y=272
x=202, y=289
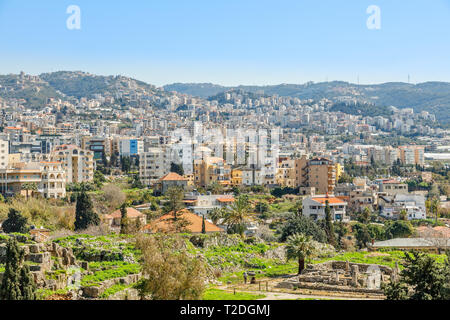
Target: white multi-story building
x=314, y=207
x=154, y=164
x=4, y=151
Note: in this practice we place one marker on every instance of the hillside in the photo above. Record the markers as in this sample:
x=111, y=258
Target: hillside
x=66, y=85
x=433, y=97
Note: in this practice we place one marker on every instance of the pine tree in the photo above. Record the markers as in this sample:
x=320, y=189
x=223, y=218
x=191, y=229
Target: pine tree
x=85, y=215
x=329, y=229
x=17, y=283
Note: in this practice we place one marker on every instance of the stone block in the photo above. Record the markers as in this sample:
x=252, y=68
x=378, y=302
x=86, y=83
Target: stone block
x=91, y=292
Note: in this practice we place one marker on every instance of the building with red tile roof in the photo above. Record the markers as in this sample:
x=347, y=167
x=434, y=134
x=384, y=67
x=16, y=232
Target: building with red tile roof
x=166, y=224
x=314, y=207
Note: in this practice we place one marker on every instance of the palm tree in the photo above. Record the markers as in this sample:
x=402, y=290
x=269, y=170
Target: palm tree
x=29, y=187
x=216, y=214
x=434, y=206
x=237, y=213
x=301, y=247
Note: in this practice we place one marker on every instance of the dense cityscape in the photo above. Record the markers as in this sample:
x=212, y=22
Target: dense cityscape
x=107, y=180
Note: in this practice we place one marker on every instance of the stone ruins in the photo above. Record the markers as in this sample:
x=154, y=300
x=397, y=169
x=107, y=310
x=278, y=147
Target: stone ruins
x=343, y=276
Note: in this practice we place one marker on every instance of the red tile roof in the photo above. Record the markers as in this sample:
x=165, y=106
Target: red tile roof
x=165, y=223
x=331, y=200
x=172, y=177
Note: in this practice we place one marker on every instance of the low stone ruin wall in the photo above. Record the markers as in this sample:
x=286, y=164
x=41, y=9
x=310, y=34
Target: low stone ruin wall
x=94, y=292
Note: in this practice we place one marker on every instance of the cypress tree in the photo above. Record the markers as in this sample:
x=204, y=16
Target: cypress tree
x=123, y=219
x=27, y=286
x=203, y=225
x=329, y=229
x=85, y=215
x=17, y=283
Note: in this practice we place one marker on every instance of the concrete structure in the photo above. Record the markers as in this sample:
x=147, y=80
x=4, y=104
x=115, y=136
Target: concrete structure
x=204, y=204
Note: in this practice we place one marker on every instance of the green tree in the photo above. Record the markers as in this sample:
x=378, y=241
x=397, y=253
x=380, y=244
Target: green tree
x=304, y=225
x=215, y=188
x=16, y=223
x=434, y=206
x=174, y=197
x=29, y=187
x=170, y=272
x=99, y=179
x=177, y=168
x=203, y=225
x=329, y=229
x=237, y=214
x=216, y=214
x=17, y=283
x=300, y=247
x=399, y=229
x=85, y=216
x=364, y=217
x=423, y=278
x=262, y=207
x=124, y=223
x=362, y=235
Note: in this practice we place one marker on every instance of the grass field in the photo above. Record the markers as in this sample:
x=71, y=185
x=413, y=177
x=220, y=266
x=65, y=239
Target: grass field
x=217, y=294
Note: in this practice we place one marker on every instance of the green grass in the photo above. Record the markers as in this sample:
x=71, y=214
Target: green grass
x=43, y=294
x=113, y=290
x=221, y=295
x=364, y=257
x=102, y=275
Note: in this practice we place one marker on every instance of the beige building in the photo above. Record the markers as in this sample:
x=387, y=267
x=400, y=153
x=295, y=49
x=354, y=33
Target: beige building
x=48, y=179
x=210, y=170
x=79, y=164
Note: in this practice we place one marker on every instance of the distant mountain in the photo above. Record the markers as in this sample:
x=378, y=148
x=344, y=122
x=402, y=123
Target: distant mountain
x=202, y=90
x=36, y=90
x=433, y=97
x=81, y=84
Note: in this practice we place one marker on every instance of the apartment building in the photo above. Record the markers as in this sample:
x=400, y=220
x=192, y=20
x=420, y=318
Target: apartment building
x=153, y=165
x=314, y=207
x=412, y=155
x=79, y=164
x=321, y=174
x=48, y=177
x=391, y=207
x=203, y=204
x=128, y=146
x=211, y=170
x=392, y=187
x=4, y=154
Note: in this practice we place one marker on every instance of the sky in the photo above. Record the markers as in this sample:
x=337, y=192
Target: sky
x=232, y=42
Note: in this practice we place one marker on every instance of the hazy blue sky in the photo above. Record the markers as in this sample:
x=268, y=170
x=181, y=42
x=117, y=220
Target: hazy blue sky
x=230, y=42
